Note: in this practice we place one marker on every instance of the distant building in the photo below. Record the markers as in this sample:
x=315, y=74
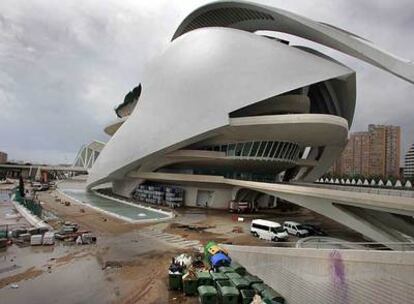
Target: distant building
x=3, y=157
x=409, y=163
x=372, y=153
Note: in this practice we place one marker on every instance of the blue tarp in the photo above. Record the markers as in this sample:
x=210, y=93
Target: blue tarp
x=220, y=259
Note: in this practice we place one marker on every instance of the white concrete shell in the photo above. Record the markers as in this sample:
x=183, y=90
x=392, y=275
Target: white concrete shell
x=192, y=87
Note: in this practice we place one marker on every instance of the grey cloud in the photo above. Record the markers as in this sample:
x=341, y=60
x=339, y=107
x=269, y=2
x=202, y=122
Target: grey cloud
x=64, y=65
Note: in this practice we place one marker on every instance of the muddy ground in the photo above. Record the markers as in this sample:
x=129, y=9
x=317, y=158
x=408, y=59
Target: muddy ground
x=125, y=266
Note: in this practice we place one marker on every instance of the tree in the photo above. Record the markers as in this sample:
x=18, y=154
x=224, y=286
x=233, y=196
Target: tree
x=21, y=186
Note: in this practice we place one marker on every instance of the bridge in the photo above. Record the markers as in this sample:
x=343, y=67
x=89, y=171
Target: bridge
x=36, y=171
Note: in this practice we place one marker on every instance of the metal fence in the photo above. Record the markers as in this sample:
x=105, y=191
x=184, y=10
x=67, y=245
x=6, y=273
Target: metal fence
x=365, y=189
x=33, y=206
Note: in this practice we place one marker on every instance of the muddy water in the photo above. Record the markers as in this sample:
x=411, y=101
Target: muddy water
x=135, y=213
x=73, y=274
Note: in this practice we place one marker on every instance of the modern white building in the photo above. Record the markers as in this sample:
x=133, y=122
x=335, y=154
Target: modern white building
x=409, y=163
x=228, y=113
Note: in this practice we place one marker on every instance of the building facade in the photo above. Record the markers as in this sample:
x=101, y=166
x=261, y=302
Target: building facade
x=372, y=153
x=409, y=163
x=224, y=103
x=228, y=114
x=3, y=157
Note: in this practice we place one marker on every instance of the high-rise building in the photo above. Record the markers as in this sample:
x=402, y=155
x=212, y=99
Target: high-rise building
x=385, y=150
x=372, y=153
x=409, y=163
x=3, y=157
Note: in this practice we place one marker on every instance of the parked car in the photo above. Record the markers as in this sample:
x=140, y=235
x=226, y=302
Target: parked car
x=295, y=228
x=36, y=186
x=314, y=230
x=268, y=230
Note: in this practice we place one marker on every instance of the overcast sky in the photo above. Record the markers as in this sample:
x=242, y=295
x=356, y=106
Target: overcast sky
x=65, y=65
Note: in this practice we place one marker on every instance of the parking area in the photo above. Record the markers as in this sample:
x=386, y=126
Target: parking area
x=225, y=227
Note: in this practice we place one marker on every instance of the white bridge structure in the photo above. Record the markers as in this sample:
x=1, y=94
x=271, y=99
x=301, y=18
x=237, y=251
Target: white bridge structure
x=88, y=154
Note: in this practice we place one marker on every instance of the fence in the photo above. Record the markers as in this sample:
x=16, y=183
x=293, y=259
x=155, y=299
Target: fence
x=31, y=205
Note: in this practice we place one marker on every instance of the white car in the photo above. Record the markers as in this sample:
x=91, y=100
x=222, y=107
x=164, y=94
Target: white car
x=295, y=228
x=268, y=230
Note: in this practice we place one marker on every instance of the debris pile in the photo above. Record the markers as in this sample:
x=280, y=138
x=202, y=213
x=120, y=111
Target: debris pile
x=215, y=278
x=68, y=232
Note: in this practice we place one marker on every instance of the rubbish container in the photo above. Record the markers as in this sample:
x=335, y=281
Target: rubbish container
x=233, y=275
x=238, y=268
x=239, y=283
x=251, y=279
x=225, y=269
x=207, y=294
x=268, y=301
x=227, y=292
x=190, y=284
x=218, y=276
x=259, y=287
x=175, y=280
x=204, y=278
x=269, y=293
x=247, y=295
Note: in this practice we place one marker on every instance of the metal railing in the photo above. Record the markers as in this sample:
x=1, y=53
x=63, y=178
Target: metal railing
x=363, y=189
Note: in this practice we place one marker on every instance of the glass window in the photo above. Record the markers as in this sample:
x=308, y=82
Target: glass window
x=254, y=148
x=261, y=149
x=246, y=149
x=224, y=148
x=230, y=152
x=288, y=149
x=272, y=152
x=267, y=149
x=292, y=153
x=239, y=148
x=279, y=150
x=278, y=229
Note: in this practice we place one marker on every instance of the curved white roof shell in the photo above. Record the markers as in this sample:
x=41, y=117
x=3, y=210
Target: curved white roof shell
x=251, y=17
x=204, y=75
x=216, y=65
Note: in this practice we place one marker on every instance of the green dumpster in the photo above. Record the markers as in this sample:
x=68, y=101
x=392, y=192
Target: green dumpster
x=175, y=281
x=204, y=278
x=225, y=269
x=190, y=285
x=239, y=283
x=227, y=292
x=269, y=293
x=259, y=287
x=247, y=295
x=233, y=275
x=218, y=276
x=238, y=268
x=4, y=234
x=251, y=279
x=207, y=294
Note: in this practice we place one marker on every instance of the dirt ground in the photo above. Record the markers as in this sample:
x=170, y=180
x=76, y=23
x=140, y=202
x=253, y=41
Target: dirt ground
x=129, y=268
x=124, y=266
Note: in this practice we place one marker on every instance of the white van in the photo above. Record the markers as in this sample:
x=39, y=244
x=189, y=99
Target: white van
x=268, y=230
x=295, y=228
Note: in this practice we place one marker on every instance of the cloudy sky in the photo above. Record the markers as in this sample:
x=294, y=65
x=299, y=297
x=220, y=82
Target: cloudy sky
x=65, y=65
